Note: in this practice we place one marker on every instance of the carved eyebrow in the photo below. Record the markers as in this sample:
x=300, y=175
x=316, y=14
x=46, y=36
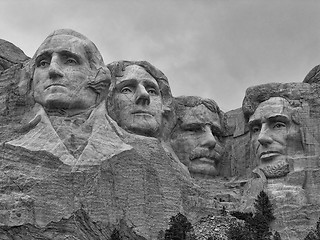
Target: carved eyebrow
x=43, y=55
x=276, y=118
x=254, y=122
x=127, y=82
x=149, y=83
x=65, y=53
x=191, y=124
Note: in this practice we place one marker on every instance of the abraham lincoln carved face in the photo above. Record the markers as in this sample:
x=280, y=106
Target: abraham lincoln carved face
x=274, y=136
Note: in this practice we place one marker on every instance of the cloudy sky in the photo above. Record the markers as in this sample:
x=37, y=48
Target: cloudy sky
x=210, y=48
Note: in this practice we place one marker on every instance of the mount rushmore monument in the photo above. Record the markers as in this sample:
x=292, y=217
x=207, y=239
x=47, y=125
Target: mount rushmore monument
x=82, y=139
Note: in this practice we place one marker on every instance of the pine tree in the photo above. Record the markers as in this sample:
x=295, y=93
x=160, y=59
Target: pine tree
x=238, y=232
x=179, y=226
x=263, y=206
x=318, y=228
x=115, y=235
x=245, y=216
x=260, y=227
x=311, y=236
x=276, y=236
x=314, y=234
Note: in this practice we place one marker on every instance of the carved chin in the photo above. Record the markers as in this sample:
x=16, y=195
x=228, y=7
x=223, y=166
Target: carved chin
x=203, y=169
x=143, y=129
x=276, y=170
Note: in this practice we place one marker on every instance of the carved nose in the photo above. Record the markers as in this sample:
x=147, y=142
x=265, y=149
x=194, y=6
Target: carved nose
x=264, y=137
x=55, y=69
x=208, y=140
x=142, y=96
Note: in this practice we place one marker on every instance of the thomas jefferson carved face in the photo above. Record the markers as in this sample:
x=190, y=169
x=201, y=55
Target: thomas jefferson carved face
x=274, y=136
x=137, y=102
x=62, y=72
x=197, y=140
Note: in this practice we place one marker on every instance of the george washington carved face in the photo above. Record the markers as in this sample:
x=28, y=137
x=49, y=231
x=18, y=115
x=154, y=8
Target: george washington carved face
x=68, y=72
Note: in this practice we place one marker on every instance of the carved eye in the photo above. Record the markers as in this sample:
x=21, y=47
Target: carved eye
x=279, y=125
x=152, y=92
x=217, y=134
x=193, y=128
x=71, y=61
x=44, y=63
x=126, y=90
x=255, y=129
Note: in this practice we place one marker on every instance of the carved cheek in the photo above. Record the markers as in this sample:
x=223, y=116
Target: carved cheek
x=280, y=137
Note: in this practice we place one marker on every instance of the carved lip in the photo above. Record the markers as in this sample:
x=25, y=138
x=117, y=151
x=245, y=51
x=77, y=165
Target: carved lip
x=142, y=113
x=210, y=161
x=55, y=84
x=269, y=154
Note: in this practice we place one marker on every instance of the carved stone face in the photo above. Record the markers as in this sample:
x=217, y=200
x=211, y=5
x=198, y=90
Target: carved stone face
x=137, y=102
x=61, y=74
x=274, y=136
x=197, y=140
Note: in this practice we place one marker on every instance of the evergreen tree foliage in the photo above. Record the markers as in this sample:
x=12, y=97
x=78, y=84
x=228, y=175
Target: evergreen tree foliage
x=179, y=227
x=318, y=228
x=263, y=207
x=276, y=236
x=245, y=216
x=260, y=227
x=314, y=234
x=257, y=224
x=115, y=235
x=311, y=236
x=238, y=232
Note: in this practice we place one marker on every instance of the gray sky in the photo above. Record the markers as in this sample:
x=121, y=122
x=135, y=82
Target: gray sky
x=210, y=48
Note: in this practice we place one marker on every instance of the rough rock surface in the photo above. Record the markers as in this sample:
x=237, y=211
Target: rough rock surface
x=142, y=185
x=78, y=226
x=10, y=55
x=216, y=227
x=131, y=182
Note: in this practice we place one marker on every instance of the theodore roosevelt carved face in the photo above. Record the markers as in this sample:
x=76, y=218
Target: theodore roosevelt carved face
x=197, y=137
x=274, y=136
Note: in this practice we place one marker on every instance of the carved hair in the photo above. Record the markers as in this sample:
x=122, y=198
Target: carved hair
x=302, y=98
x=294, y=93
x=193, y=101
x=183, y=102
x=313, y=76
x=100, y=81
x=117, y=70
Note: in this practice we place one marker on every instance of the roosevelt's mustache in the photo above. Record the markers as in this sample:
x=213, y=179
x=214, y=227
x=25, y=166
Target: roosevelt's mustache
x=204, y=153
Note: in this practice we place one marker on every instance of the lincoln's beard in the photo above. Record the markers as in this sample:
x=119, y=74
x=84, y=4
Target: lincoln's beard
x=276, y=170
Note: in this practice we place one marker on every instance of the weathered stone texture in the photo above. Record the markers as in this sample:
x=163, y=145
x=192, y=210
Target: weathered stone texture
x=237, y=161
x=141, y=185
x=10, y=55
x=81, y=175
x=78, y=226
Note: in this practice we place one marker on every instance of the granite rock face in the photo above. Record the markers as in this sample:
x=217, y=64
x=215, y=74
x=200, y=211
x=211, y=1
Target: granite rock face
x=87, y=148
x=10, y=55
